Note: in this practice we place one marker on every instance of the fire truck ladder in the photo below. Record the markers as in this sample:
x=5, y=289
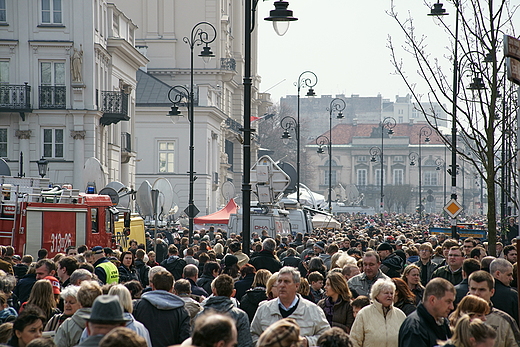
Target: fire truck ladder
x=9, y=234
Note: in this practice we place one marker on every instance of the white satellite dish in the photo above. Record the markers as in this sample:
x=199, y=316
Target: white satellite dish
x=228, y=190
x=123, y=193
x=93, y=174
x=112, y=193
x=165, y=195
x=144, y=199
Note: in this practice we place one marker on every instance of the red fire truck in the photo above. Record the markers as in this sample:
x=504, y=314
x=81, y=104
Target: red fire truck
x=32, y=218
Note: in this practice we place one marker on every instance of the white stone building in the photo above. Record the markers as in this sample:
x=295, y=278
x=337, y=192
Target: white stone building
x=67, y=87
x=163, y=147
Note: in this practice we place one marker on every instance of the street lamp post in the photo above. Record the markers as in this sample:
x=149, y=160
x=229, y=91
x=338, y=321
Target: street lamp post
x=290, y=123
x=414, y=156
x=440, y=163
x=42, y=166
x=279, y=16
x=203, y=33
x=424, y=131
x=322, y=141
x=437, y=10
x=306, y=79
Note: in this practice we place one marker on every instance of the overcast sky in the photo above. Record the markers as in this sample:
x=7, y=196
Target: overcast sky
x=345, y=44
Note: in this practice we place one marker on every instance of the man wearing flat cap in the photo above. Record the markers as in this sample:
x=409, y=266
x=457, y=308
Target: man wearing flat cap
x=106, y=314
x=392, y=265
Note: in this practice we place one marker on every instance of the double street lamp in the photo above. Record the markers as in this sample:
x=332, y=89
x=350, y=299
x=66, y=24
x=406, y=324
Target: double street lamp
x=424, y=131
x=440, y=163
x=203, y=33
x=337, y=105
x=388, y=123
x=280, y=17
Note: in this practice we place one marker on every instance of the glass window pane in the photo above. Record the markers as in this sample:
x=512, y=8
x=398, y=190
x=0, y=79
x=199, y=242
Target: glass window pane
x=3, y=135
x=47, y=150
x=4, y=71
x=46, y=17
x=57, y=17
x=47, y=135
x=46, y=73
x=162, y=146
x=162, y=162
x=170, y=162
x=59, y=151
x=170, y=146
x=46, y=5
x=59, y=73
x=57, y=5
x=59, y=135
x=3, y=150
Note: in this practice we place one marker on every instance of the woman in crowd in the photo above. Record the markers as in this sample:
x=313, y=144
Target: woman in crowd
x=70, y=306
x=283, y=333
x=317, y=264
x=127, y=271
x=252, y=298
x=404, y=298
x=471, y=305
x=27, y=327
x=271, y=288
x=42, y=296
x=247, y=277
x=151, y=259
x=412, y=277
x=471, y=333
x=336, y=305
x=211, y=270
x=378, y=323
x=231, y=267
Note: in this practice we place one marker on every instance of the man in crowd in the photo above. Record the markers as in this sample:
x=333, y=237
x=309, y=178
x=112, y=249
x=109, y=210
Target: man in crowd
x=266, y=259
x=236, y=249
x=162, y=312
x=214, y=330
x=290, y=304
x=391, y=264
x=505, y=298
x=106, y=315
x=191, y=273
x=429, y=323
x=446, y=246
x=468, y=245
x=141, y=267
x=104, y=269
x=481, y=284
x=453, y=271
x=66, y=266
x=425, y=263
x=220, y=302
x=362, y=283
x=174, y=263
x=510, y=253
x=469, y=266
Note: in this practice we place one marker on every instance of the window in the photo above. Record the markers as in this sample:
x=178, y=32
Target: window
x=166, y=156
x=362, y=177
x=52, y=73
x=362, y=158
x=378, y=177
x=430, y=178
x=333, y=177
x=53, y=143
x=3, y=143
x=398, y=177
x=51, y=12
x=3, y=12
x=398, y=158
x=4, y=71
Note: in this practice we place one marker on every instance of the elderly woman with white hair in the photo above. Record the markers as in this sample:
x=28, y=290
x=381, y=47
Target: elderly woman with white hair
x=378, y=324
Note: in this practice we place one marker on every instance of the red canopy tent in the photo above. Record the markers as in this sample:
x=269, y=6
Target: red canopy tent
x=219, y=217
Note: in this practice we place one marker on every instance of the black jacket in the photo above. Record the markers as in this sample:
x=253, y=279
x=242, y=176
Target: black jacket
x=419, y=329
x=243, y=285
x=165, y=317
x=251, y=299
x=142, y=271
x=505, y=299
x=127, y=274
x=175, y=265
x=392, y=266
x=204, y=281
x=266, y=260
x=291, y=260
x=24, y=286
x=197, y=290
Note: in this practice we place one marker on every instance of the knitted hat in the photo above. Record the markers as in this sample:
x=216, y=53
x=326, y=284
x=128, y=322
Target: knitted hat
x=385, y=247
x=230, y=259
x=320, y=245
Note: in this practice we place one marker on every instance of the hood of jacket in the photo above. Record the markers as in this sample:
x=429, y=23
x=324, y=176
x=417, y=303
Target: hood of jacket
x=393, y=261
x=219, y=303
x=163, y=300
x=171, y=259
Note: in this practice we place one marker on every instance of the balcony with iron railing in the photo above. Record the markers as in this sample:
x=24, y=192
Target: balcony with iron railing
x=114, y=106
x=53, y=97
x=228, y=64
x=15, y=98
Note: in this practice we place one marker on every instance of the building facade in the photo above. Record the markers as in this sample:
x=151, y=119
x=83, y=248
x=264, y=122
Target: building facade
x=67, y=88
x=162, y=146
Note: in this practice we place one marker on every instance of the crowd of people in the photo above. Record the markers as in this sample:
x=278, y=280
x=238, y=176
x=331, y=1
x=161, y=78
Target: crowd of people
x=370, y=284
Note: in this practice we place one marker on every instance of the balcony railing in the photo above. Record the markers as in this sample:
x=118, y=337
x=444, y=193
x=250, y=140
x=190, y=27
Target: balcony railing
x=114, y=106
x=234, y=125
x=15, y=97
x=53, y=97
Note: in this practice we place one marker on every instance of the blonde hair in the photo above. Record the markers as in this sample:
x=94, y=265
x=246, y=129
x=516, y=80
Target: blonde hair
x=283, y=333
x=272, y=280
x=345, y=259
x=379, y=286
x=304, y=288
x=467, y=328
x=42, y=296
x=124, y=296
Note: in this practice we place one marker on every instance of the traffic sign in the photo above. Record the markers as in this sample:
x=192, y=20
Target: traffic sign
x=453, y=208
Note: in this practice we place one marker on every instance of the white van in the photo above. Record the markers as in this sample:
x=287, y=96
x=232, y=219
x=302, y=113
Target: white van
x=274, y=222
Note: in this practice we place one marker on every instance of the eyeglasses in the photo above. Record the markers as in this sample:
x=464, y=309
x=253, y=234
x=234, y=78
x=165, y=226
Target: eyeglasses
x=454, y=255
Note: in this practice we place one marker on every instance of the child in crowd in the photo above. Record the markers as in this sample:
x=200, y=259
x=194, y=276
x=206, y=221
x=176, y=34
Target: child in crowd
x=317, y=293
x=358, y=303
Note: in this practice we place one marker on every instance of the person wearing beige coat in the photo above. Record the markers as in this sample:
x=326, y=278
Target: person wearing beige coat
x=377, y=325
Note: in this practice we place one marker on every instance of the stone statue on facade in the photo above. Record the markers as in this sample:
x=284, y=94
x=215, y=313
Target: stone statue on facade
x=76, y=63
